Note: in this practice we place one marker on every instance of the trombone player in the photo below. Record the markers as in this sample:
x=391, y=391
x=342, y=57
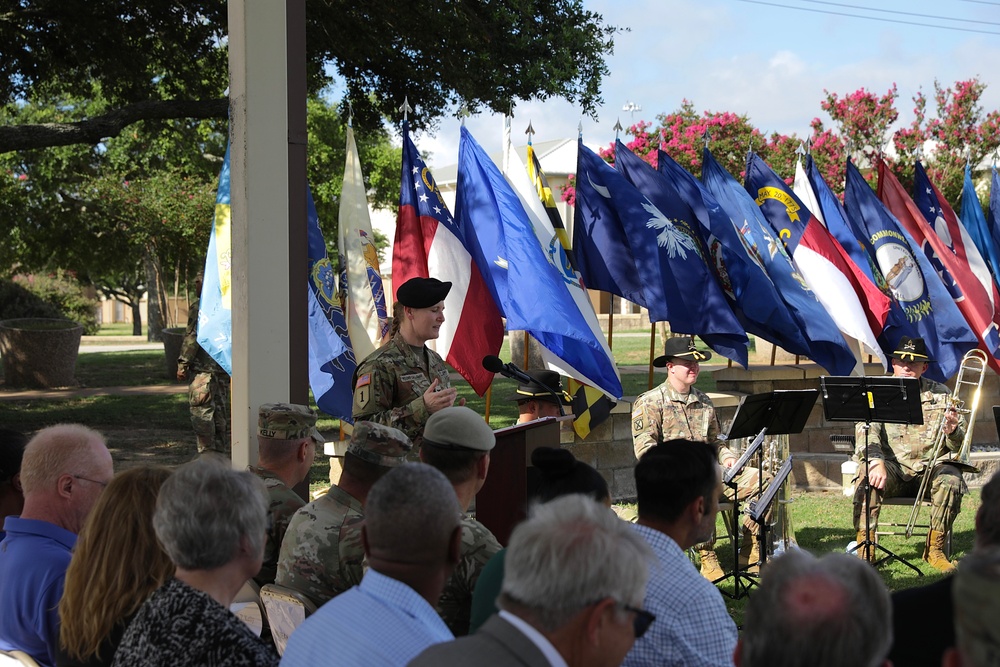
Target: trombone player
x=898, y=456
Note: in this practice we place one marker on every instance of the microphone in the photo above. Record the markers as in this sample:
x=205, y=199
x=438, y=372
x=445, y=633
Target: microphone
x=496, y=365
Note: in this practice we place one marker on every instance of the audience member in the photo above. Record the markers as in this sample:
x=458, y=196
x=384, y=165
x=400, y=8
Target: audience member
x=555, y=473
x=573, y=585
x=287, y=439
x=922, y=617
x=11, y=495
x=457, y=441
x=816, y=612
x=412, y=536
x=678, y=487
x=116, y=565
x=321, y=555
x=64, y=470
x=534, y=401
x=211, y=520
x=976, y=596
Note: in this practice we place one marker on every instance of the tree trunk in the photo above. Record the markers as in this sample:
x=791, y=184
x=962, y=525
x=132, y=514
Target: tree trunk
x=154, y=312
x=136, y=318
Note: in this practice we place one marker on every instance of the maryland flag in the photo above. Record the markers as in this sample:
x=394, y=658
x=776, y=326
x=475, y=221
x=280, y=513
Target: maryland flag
x=591, y=406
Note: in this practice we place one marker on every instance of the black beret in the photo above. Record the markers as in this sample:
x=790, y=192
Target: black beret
x=422, y=292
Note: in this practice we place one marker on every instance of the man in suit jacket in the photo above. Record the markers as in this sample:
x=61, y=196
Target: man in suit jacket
x=574, y=581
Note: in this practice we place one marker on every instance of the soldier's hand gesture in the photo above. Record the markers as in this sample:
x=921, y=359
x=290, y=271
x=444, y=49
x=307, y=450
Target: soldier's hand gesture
x=436, y=400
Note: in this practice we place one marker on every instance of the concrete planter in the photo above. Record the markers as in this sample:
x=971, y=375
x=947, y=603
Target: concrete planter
x=173, y=338
x=39, y=353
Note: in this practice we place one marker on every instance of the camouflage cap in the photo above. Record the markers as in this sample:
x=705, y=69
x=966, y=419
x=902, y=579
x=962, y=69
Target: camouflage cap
x=287, y=421
x=458, y=427
x=379, y=444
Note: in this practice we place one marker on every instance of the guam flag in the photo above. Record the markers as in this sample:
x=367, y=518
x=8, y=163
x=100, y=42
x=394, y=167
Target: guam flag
x=911, y=279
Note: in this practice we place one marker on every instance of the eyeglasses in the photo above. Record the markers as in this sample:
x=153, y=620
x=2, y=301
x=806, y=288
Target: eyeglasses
x=92, y=481
x=643, y=619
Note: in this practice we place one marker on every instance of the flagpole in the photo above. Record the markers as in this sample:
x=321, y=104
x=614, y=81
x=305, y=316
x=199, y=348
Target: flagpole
x=527, y=342
x=489, y=400
x=652, y=349
x=611, y=323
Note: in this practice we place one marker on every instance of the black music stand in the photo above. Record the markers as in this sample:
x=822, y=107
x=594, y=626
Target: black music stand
x=888, y=400
x=773, y=413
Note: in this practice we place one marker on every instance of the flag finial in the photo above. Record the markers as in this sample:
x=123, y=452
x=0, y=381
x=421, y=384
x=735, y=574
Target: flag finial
x=706, y=138
x=579, y=130
x=350, y=113
x=529, y=131
x=463, y=113
x=405, y=108
x=801, y=150
x=617, y=128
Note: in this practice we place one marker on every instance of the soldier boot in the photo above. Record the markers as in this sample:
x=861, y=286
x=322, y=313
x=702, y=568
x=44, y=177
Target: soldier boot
x=710, y=567
x=934, y=552
x=750, y=553
x=869, y=551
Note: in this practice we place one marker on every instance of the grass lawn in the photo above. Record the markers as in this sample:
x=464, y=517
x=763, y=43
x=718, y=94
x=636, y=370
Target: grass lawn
x=116, y=329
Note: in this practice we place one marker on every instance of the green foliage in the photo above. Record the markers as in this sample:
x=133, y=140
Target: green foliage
x=52, y=295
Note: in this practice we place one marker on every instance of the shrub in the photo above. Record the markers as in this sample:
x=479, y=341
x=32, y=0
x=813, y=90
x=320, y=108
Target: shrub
x=53, y=295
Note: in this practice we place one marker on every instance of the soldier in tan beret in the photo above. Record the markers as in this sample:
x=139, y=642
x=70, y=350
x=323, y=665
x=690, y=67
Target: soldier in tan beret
x=458, y=442
x=322, y=555
x=287, y=439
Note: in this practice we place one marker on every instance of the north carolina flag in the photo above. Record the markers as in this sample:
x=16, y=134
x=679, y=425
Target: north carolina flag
x=215, y=307
x=857, y=306
x=364, y=306
x=429, y=243
x=930, y=311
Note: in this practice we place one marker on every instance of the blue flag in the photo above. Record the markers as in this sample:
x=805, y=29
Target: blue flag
x=752, y=295
x=972, y=217
x=531, y=292
x=669, y=255
x=827, y=346
x=331, y=358
x=215, y=306
x=911, y=279
x=993, y=211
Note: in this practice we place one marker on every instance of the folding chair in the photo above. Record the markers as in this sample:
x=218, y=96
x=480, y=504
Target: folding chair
x=286, y=610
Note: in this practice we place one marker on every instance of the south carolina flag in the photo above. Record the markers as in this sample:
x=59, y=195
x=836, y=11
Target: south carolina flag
x=429, y=243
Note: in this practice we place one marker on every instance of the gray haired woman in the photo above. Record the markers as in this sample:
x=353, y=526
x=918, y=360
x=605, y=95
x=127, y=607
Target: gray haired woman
x=211, y=521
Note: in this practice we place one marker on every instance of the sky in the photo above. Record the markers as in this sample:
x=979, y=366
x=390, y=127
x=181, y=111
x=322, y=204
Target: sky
x=763, y=59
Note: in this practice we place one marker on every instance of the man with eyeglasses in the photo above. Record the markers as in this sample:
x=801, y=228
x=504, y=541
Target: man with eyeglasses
x=678, y=485
x=574, y=579
x=64, y=470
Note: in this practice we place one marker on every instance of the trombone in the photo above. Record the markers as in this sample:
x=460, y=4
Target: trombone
x=973, y=364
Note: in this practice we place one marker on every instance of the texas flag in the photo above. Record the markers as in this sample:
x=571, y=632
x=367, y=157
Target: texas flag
x=857, y=306
x=933, y=224
x=429, y=243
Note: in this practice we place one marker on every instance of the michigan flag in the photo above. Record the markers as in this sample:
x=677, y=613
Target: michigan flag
x=364, y=305
x=215, y=309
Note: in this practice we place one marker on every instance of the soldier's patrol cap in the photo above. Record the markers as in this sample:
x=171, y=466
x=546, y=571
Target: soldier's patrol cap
x=534, y=391
x=680, y=347
x=287, y=421
x=379, y=444
x=422, y=292
x=911, y=349
x=458, y=427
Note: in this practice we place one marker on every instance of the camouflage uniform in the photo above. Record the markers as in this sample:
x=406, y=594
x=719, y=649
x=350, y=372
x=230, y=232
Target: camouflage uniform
x=664, y=414
x=282, y=504
x=389, y=386
x=478, y=547
x=321, y=555
x=208, y=393
x=905, y=448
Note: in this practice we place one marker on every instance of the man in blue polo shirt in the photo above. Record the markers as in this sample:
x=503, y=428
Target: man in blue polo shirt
x=64, y=470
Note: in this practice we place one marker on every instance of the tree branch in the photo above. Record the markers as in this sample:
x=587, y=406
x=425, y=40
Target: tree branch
x=94, y=130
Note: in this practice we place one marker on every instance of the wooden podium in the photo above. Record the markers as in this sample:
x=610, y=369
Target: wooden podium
x=503, y=501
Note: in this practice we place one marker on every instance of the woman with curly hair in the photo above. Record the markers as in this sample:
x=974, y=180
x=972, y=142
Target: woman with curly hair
x=117, y=564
